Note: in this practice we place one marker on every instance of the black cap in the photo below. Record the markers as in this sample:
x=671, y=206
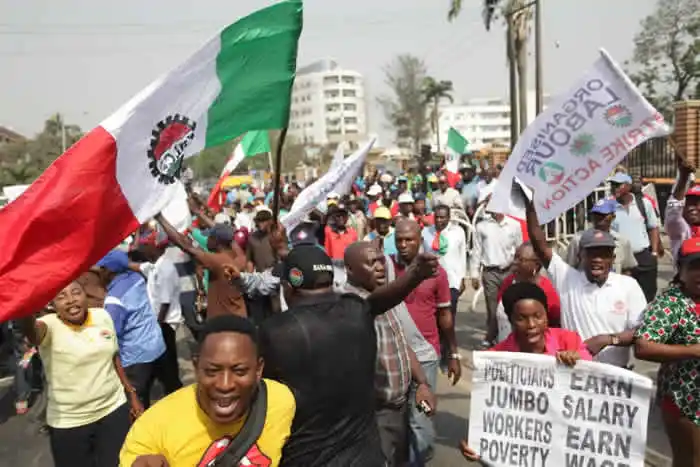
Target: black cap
x=223, y=233
x=304, y=264
x=304, y=234
x=596, y=239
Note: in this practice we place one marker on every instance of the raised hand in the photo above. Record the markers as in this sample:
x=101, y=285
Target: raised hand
x=426, y=265
x=231, y=272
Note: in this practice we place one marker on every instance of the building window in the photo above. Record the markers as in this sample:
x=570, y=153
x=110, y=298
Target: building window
x=350, y=107
x=331, y=94
x=349, y=93
x=332, y=107
x=350, y=120
x=329, y=80
x=349, y=79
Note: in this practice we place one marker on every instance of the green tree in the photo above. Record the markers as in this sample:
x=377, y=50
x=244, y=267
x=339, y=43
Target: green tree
x=406, y=109
x=665, y=63
x=517, y=15
x=434, y=91
x=22, y=161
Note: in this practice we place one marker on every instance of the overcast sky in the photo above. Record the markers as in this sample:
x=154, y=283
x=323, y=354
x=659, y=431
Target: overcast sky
x=84, y=58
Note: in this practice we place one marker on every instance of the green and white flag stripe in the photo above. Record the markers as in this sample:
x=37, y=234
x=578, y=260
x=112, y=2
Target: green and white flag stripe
x=253, y=143
x=456, y=146
x=240, y=81
x=255, y=65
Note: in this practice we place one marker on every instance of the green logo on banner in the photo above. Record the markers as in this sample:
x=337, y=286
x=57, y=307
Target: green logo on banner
x=551, y=173
x=583, y=145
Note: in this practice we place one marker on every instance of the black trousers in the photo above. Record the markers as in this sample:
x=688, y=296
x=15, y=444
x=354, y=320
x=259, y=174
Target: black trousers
x=193, y=321
x=393, y=433
x=166, y=369
x=646, y=273
x=141, y=377
x=96, y=444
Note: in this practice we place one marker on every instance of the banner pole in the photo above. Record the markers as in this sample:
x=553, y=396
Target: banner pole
x=278, y=177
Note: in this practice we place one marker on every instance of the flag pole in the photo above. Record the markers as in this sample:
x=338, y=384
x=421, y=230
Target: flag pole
x=269, y=161
x=278, y=177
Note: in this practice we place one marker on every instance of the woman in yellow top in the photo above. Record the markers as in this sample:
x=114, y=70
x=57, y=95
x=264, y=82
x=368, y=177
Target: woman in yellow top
x=87, y=412
x=206, y=423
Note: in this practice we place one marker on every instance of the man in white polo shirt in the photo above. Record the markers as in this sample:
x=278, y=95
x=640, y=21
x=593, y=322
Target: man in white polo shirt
x=602, y=306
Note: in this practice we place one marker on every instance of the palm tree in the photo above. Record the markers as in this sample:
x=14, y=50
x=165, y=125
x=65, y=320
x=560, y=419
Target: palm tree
x=434, y=91
x=518, y=15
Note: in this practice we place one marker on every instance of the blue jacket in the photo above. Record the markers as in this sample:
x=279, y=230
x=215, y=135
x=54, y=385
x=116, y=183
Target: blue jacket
x=138, y=332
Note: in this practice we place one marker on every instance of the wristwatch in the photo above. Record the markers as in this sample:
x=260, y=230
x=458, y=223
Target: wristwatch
x=455, y=356
x=614, y=340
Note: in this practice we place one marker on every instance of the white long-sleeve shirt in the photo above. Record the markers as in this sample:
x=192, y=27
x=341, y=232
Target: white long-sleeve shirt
x=454, y=259
x=495, y=244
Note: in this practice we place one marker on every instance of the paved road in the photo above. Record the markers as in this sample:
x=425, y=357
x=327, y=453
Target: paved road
x=21, y=444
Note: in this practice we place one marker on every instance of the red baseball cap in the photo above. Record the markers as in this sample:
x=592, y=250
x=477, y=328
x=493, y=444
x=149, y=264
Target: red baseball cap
x=693, y=191
x=690, y=250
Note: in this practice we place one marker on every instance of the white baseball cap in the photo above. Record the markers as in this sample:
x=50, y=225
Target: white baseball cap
x=406, y=198
x=374, y=190
x=222, y=218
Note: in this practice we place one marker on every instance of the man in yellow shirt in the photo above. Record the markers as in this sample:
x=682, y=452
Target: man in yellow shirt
x=231, y=416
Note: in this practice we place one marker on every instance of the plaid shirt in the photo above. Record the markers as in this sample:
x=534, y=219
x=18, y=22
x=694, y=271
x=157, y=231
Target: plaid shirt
x=393, y=368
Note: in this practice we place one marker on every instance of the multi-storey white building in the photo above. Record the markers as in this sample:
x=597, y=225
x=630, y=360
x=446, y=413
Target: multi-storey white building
x=328, y=105
x=484, y=122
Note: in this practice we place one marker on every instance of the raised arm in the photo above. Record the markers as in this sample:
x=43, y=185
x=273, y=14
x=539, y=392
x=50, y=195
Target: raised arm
x=180, y=240
x=537, y=235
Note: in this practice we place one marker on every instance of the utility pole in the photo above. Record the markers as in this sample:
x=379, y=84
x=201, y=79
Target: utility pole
x=512, y=59
x=539, y=96
x=513, y=83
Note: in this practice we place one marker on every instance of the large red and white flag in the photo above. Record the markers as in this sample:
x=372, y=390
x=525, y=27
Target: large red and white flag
x=125, y=171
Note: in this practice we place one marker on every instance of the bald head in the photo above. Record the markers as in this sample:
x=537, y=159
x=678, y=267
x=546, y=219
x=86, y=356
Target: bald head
x=407, y=226
x=356, y=253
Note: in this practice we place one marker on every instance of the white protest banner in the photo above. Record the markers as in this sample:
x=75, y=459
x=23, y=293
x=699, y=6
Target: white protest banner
x=578, y=140
x=527, y=409
x=335, y=163
x=334, y=180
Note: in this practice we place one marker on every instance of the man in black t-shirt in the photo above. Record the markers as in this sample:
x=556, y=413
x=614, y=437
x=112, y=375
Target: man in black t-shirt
x=324, y=349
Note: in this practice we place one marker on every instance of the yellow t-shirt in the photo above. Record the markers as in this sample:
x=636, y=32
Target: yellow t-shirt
x=83, y=385
x=177, y=428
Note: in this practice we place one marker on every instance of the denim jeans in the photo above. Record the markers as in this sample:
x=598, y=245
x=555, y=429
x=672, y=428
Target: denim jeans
x=422, y=431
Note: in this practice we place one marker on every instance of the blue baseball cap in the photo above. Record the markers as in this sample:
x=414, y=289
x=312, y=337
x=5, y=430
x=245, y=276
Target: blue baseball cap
x=620, y=178
x=115, y=261
x=605, y=206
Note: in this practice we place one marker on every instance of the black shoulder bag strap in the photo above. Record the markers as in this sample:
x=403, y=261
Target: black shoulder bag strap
x=639, y=200
x=249, y=434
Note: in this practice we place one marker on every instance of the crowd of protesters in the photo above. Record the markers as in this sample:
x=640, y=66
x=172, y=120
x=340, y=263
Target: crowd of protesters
x=322, y=346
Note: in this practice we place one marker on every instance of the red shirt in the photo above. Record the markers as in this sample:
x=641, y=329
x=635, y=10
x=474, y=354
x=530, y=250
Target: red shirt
x=553, y=302
x=425, y=219
x=523, y=227
x=425, y=300
x=337, y=242
x=555, y=340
